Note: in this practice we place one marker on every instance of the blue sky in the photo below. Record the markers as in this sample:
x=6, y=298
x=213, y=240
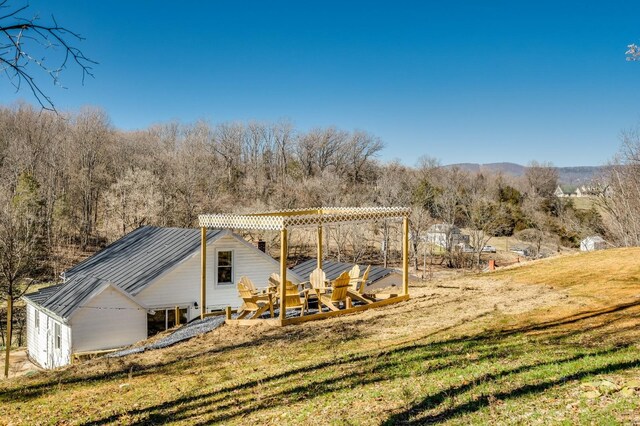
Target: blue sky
x=458, y=80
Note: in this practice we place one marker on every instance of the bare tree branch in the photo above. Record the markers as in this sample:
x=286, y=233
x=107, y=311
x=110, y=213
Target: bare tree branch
x=23, y=42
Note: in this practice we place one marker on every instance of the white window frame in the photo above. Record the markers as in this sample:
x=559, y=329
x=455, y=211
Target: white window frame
x=233, y=267
x=36, y=319
x=57, y=334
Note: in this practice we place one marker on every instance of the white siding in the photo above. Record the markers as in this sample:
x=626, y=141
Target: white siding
x=36, y=338
x=181, y=286
x=109, y=320
x=41, y=341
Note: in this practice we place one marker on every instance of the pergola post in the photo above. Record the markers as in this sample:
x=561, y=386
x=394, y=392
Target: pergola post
x=405, y=255
x=203, y=271
x=283, y=273
x=319, y=241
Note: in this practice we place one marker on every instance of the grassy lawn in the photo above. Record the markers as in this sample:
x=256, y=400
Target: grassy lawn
x=553, y=342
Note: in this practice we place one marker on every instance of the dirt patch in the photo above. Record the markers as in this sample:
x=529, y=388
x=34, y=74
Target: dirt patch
x=19, y=363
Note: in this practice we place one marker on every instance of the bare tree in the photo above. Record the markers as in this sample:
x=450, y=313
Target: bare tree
x=621, y=199
x=19, y=245
x=23, y=44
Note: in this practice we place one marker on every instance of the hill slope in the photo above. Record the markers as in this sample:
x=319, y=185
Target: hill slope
x=568, y=175
x=539, y=343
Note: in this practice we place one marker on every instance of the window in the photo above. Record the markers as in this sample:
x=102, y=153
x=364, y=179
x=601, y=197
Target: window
x=36, y=320
x=163, y=319
x=58, y=335
x=225, y=267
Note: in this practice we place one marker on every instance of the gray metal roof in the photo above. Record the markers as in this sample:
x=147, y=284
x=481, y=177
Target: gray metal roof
x=41, y=295
x=141, y=256
x=73, y=293
x=333, y=269
x=130, y=263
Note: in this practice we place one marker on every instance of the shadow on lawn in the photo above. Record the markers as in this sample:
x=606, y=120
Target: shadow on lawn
x=417, y=358
x=317, y=381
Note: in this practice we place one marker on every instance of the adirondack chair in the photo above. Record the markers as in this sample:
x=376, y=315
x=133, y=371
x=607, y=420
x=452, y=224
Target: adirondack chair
x=354, y=276
x=251, y=286
x=293, y=299
x=265, y=294
x=317, y=284
x=274, y=280
x=339, y=287
x=357, y=289
x=252, y=302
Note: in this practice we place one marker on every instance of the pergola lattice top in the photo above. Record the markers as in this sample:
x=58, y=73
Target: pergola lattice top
x=284, y=219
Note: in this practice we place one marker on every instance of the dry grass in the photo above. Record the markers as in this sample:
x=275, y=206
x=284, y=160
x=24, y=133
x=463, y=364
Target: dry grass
x=531, y=345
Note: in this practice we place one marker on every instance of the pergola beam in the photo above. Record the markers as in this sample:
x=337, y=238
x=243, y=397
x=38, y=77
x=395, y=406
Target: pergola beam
x=275, y=221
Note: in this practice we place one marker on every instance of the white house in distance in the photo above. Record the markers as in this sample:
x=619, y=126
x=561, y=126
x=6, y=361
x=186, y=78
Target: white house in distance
x=446, y=236
x=593, y=243
x=129, y=291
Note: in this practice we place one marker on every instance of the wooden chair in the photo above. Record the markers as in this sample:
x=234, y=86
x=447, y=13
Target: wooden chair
x=265, y=294
x=358, y=291
x=293, y=299
x=252, y=287
x=317, y=283
x=339, y=287
x=252, y=302
x=274, y=280
x=318, y=278
x=354, y=276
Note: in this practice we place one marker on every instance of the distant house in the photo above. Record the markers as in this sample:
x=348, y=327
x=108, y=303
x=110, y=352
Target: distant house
x=129, y=291
x=379, y=277
x=587, y=191
x=576, y=191
x=566, y=191
x=593, y=243
x=446, y=236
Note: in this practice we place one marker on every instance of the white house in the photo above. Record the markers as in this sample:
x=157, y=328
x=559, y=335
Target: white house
x=129, y=291
x=446, y=236
x=593, y=243
x=565, y=191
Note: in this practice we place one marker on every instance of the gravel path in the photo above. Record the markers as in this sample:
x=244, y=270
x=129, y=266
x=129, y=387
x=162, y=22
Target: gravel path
x=191, y=330
x=184, y=333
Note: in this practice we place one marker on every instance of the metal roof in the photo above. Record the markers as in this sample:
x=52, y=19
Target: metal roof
x=130, y=263
x=41, y=295
x=72, y=294
x=333, y=269
x=141, y=256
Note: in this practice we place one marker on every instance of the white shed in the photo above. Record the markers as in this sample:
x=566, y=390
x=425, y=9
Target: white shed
x=446, y=236
x=129, y=291
x=593, y=243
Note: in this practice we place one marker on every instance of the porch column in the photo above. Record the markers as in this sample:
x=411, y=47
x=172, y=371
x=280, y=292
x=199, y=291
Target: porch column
x=283, y=272
x=203, y=271
x=405, y=255
x=319, y=241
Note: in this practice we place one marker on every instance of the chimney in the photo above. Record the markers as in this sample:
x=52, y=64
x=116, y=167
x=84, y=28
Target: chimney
x=262, y=246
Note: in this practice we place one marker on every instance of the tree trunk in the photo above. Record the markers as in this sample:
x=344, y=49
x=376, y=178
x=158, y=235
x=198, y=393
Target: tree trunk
x=9, y=331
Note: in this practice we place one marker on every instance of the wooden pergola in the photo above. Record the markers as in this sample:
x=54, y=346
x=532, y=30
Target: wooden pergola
x=283, y=221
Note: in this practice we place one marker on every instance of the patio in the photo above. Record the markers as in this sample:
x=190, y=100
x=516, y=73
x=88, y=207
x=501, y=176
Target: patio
x=285, y=220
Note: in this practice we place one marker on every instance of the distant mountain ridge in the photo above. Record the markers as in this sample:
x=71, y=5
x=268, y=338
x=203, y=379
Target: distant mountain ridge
x=567, y=175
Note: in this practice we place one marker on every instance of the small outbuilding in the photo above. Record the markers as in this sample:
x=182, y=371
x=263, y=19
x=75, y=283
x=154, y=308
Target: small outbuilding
x=446, y=236
x=593, y=243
